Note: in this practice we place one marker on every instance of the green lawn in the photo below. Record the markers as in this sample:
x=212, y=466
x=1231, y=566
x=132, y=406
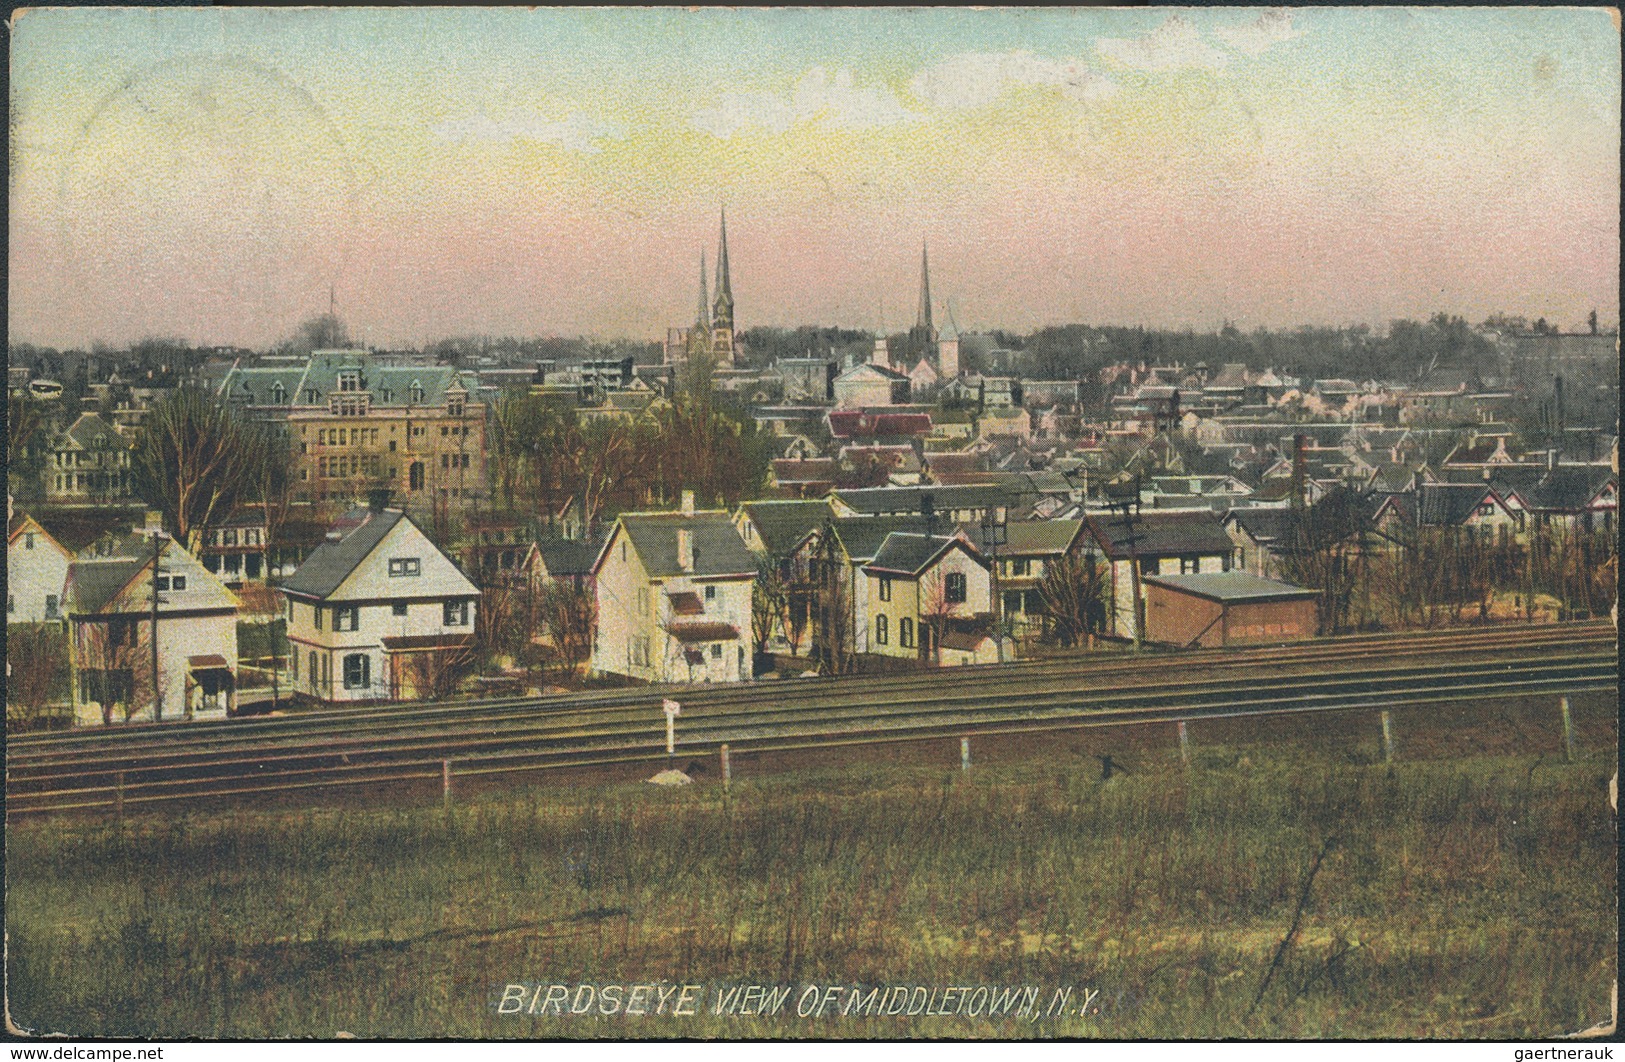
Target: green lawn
x=1468, y=897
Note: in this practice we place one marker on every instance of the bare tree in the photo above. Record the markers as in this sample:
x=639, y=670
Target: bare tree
x=1073, y=592
x=115, y=667
x=196, y=461
x=36, y=670
x=565, y=617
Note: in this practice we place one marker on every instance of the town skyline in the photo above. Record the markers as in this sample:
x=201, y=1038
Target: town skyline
x=215, y=174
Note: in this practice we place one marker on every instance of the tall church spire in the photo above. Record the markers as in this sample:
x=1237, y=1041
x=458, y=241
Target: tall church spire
x=702, y=317
x=722, y=306
x=922, y=319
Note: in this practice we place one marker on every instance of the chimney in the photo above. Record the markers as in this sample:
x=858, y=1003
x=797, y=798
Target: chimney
x=378, y=499
x=685, y=550
x=688, y=503
x=881, y=356
x=153, y=522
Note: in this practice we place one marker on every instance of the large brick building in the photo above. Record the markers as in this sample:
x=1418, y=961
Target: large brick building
x=355, y=425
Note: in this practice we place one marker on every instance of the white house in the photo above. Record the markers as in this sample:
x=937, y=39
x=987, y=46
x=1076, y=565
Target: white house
x=36, y=568
x=108, y=594
x=674, y=598
x=377, y=613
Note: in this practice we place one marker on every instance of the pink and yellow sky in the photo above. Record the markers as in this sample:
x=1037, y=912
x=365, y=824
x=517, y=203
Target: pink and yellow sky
x=209, y=173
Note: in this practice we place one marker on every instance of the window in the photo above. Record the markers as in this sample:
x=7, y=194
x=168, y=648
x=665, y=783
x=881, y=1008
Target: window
x=405, y=566
x=176, y=583
x=456, y=614
x=314, y=674
x=880, y=630
x=293, y=666
x=1189, y=565
x=885, y=588
x=643, y=600
x=347, y=619
x=279, y=394
x=349, y=380
x=317, y=609
x=228, y=538
x=398, y=608
x=710, y=593
x=417, y=392
x=28, y=540
x=357, y=671
x=1020, y=567
x=50, y=606
x=905, y=633
x=955, y=588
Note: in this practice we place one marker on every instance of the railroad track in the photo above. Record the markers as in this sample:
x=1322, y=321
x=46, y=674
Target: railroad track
x=167, y=762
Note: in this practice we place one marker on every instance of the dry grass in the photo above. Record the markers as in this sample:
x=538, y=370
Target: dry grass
x=1472, y=896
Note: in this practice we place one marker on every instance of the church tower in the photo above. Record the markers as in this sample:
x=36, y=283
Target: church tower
x=948, y=347
x=922, y=337
x=699, y=334
x=722, y=308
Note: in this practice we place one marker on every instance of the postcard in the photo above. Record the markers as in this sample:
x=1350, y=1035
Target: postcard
x=813, y=524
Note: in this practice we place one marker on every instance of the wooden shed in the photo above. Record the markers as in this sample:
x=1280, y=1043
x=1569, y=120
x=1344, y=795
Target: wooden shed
x=1216, y=609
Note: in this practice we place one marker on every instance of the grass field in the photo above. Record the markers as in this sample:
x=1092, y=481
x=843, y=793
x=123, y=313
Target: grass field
x=1463, y=896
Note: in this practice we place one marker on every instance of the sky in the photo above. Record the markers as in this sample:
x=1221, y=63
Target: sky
x=217, y=174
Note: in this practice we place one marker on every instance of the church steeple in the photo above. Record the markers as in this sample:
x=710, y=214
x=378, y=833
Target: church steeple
x=922, y=319
x=702, y=317
x=722, y=307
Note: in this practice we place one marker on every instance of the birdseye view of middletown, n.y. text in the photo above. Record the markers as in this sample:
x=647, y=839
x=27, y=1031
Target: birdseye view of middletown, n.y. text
x=812, y=523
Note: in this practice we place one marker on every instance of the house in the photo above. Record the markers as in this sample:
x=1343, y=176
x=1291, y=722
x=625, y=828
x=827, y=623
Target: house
x=870, y=384
x=89, y=463
x=1576, y=498
x=36, y=569
x=1217, y=609
x=951, y=504
x=803, y=477
x=551, y=559
x=1165, y=542
x=1029, y=550
x=921, y=588
x=1261, y=535
x=840, y=591
x=785, y=535
x=674, y=598
x=108, y=597
x=235, y=549
x=377, y=613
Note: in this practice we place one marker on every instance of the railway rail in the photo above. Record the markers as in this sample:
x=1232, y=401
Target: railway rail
x=158, y=763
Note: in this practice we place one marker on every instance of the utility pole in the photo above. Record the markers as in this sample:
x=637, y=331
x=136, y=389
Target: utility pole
x=157, y=684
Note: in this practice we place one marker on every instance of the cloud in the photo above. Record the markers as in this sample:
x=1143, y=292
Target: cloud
x=578, y=132
x=833, y=100
x=1269, y=29
x=976, y=79
x=1174, y=45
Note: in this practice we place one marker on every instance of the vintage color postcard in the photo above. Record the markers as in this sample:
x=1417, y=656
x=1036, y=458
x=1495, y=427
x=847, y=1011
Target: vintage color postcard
x=812, y=523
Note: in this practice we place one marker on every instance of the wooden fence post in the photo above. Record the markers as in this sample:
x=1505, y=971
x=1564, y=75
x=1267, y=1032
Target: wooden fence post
x=121, y=796
x=964, y=754
x=1387, y=738
x=1568, y=730
x=445, y=784
x=1184, y=744
x=727, y=768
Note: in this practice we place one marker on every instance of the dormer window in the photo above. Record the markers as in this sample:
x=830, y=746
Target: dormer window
x=417, y=393
x=386, y=396
x=310, y=396
x=350, y=380
x=279, y=394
